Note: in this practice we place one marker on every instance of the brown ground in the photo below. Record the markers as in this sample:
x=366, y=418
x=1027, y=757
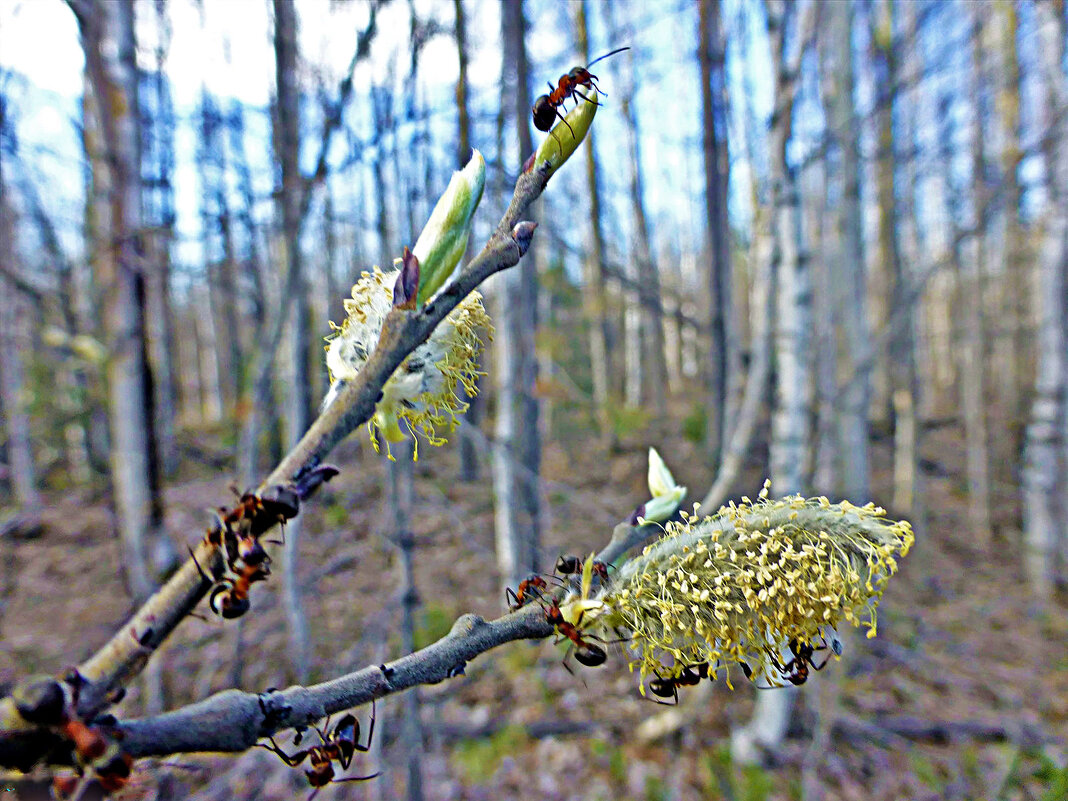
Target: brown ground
x=964, y=694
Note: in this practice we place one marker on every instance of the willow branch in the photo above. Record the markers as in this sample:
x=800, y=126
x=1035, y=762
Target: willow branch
x=125, y=655
x=232, y=721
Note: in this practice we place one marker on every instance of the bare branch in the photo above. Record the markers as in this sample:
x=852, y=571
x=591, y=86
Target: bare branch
x=234, y=721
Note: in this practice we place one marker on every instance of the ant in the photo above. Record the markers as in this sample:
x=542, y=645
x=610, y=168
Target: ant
x=796, y=671
x=338, y=747
x=690, y=676
x=586, y=653
x=546, y=108
x=572, y=565
x=531, y=586
x=49, y=703
x=229, y=597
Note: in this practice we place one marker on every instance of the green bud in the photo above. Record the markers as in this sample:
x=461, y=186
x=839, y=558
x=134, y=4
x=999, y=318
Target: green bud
x=443, y=241
x=667, y=495
x=565, y=138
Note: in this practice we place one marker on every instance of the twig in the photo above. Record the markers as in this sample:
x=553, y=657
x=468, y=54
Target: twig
x=125, y=655
x=233, y=720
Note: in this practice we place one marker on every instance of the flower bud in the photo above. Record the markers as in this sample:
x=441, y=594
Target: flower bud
x=566, y=136
x=423, y=390
x=443, y=240
x=667, y=495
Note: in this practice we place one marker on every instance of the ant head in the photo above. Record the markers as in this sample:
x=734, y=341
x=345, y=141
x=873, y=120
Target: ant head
x=579, y=75
x=590, y=655
x=544, y=113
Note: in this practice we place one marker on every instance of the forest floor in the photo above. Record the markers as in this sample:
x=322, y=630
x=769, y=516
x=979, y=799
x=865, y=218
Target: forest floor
x=963, y=695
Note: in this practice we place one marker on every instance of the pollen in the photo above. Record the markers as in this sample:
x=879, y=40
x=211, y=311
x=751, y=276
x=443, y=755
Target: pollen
x=424, y=390
x=776, y=572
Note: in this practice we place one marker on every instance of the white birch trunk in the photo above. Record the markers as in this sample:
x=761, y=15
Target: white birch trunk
x=790, y=420
x=1045, y=526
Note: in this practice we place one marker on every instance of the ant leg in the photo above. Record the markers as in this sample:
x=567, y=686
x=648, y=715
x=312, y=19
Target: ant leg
x=274, y=748
x=564, y=120
x=509, y=596
x=370, y=734
x=356, y=778
x=587, y=99
x=203, y=575
x=822, y=664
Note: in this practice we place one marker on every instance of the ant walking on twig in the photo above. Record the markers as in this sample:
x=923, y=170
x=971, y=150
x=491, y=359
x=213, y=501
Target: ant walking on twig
x=339, y=747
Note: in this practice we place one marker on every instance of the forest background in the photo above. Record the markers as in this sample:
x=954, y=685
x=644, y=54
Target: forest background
x=822, y=242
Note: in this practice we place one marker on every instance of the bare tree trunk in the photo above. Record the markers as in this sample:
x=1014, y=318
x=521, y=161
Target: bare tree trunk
x=1016, y=351
x=711, y=52
x=107, y=31
x=160, y=314
x=793, y=320
x=13, y=394
x=594, y=294
x=972, y=349
x=1045, y=468
x=852, y=333
x=649, y=312
x=298, y=400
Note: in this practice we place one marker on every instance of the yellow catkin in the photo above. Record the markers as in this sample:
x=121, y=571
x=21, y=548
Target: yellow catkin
x=737, y=586
x=424, y=389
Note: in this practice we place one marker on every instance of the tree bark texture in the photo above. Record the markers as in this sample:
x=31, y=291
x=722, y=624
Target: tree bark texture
x=298, y=391
x=113, y=129
x=1045, y=466
x=711, y=52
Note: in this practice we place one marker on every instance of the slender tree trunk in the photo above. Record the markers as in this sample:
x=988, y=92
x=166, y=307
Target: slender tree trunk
x=972, y=350
x=594, y=294
x=1016, y=351
x=711, y=52
x=402, y=493
x=649, y=311
x=13, y=395
x=1045, y=472
x=107, y=31
x=853, y=337
x=160, y=313
x=298, y=400
x=793, y=320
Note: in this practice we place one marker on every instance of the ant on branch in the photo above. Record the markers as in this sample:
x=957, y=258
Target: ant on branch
x=690, y=676
x=94, y=745
x=586, y=653
x=339, y=747
x=546, y=108
x=229, y=596
x=530, y=587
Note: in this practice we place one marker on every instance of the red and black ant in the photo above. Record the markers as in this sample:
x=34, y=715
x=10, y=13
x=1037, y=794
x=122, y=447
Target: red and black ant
x=796, y=671
x=530, y=587
x=586, y=653
x=48, y=703
x=547, y=107
x=338, y=747
x=690, y=676
x=229, y=597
